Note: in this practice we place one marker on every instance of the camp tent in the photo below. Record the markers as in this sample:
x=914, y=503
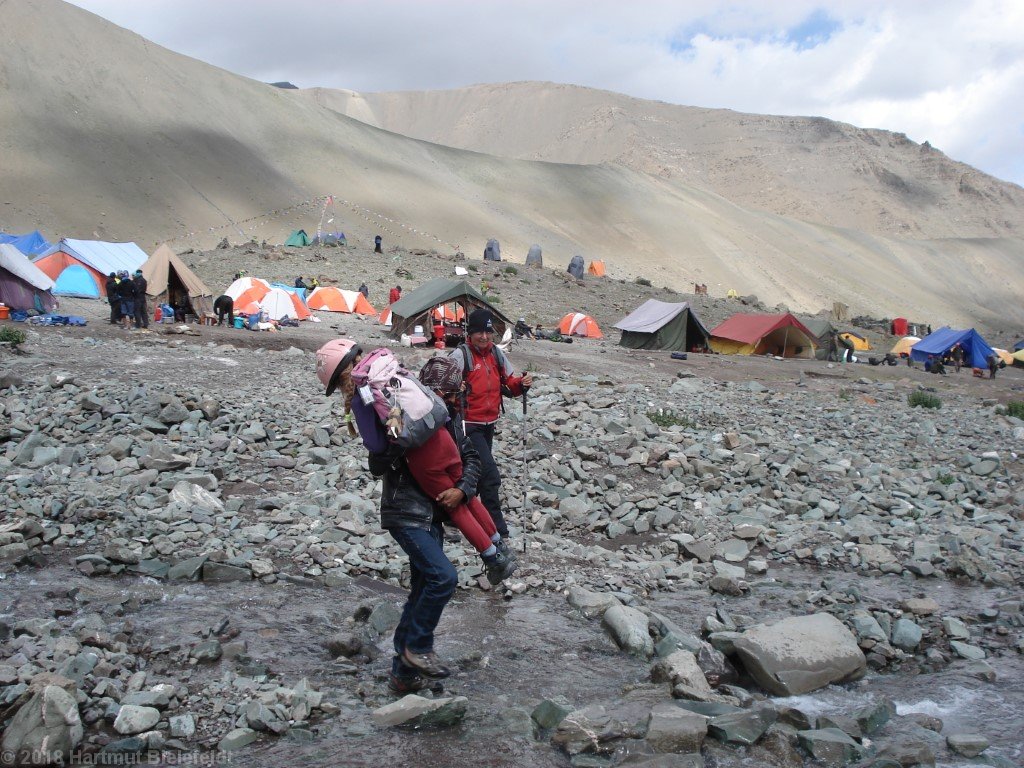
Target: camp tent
x=415, y=307
x=578, y=324
x=330, y=238
x=492, y=251
x=1018, y=346
x=278, y=304
x=596, y=268
x=782, y=335
x=22, y=284
x=1004, y=355
x=860, y=344
x=31, y=244
x=169, y=281
x=824, y=335
x=331, y=299
x=904, y=345
x=297, y=239
x=661, y=325
x=1018, y=357
x=451, y=313
x=976, y=349
x=247, y=290
x=575, y=267
x=97, y=258
x=534, y=258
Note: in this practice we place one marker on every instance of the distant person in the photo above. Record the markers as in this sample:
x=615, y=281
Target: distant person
x=224, y=305
x=300, y=283
x=313, y=284
x=139, y=288
x=522, y=330
x=957, y=355
x=377, y=243
x=364, y=289
x=395, y=294
x=993, y=364
x=126, y=297
x=112, y=298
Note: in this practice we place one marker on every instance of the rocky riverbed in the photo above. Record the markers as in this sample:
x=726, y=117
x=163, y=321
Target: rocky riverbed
x=727, y=561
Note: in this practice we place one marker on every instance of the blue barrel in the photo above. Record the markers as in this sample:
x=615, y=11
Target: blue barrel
x=239, y=322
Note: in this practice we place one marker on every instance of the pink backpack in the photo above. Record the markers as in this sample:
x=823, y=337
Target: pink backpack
x=410, y=412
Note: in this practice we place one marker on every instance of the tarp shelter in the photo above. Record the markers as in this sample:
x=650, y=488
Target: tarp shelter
x=415, y=307
x=904, y=345
x=976, y=349
x=331, y=299
x=575, y=267
x=860, y=344
x=824, y=336
x=578, y=324
x=492, y=251
x=169, y=281
x=31, y=244
x=596, y=268
x=534, y=257
x=297, y=239
x=99, y=259
x=22, y=284
x=661, y=325
x=781, y=335
x=278, y=304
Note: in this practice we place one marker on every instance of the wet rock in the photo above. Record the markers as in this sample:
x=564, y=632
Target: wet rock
x=800, y=654
x=583, y=730
x=906, y=635
x=48, y=723
x=548, y=714
x=967, y=651
x=221, y=573
x=628, y=627
x=671, y=729
x=208, y=652
x=681, y=668
x=132, y=719
x=416, y=710
x=967, y=744
x=873, y=716
x=590, y=604
x=236, y=739
x=744, y=727
x=831, y=746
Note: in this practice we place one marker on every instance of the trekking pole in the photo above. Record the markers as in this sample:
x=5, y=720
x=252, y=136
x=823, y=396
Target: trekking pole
x=524, y=470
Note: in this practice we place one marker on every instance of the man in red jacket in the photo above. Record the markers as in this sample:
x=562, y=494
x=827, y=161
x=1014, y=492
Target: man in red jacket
x=488, y=375
x=395, y=294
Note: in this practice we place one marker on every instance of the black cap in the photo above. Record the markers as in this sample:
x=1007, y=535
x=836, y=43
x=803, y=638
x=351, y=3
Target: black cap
x=480, y=320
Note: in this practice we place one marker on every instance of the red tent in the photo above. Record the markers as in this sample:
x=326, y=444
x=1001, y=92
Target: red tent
x=781, y=335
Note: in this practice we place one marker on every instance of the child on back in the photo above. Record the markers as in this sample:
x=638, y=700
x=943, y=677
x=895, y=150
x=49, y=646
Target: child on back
x=436, y=466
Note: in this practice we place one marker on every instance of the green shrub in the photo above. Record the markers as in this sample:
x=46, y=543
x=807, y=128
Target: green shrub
x=510, y=270
x=643, y=281
x=923, y=400
x=473, y=268
x=493, y=298
x=13, y=336
x=946, y=479
x=1015, y=408
x=667, y=418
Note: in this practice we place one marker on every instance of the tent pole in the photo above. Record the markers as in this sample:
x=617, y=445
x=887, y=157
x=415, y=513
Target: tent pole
x=785, y=341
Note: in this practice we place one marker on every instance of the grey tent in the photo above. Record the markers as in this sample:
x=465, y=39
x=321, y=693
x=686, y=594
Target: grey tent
x=824, y=333
x=576, y=267
x=534, y=257
x=660, y=325
x=415, y=307
x=23, y=285
x=493, y=250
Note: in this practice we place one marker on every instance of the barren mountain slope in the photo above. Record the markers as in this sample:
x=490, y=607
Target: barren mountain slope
x=805, y=167
x=104, y=134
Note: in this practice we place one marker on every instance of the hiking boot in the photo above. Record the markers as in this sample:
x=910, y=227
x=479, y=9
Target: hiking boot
x=404, y=685
x=502, y=546
x=426, y=664
x=498, y=568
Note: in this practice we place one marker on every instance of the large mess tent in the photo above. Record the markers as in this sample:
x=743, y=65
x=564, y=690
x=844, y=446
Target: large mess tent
x=80, y=267
x=663, y=325
x=781, y=335
x=31, y=244
x=976, y=349
x=170, y=281
x=415, y=307
x=23, y=286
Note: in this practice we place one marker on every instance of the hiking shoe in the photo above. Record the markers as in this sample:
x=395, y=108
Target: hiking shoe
x=426, y=664
x=404, y=685
x=498, y=568
x=502, y=546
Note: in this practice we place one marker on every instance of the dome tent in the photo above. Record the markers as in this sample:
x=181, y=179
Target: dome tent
x=534, y=258
x=576, y=267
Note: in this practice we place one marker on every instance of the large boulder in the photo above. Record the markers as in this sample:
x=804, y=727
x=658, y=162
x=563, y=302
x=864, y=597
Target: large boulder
x=801, y=654
x=45, y=729
x=629, y=629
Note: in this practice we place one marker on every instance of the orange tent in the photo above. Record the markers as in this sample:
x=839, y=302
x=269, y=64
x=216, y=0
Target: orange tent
x=280, y=303
x=578, y=324
x=596, y=268
x=385, y=316
x=451, y=313
x=331, y=299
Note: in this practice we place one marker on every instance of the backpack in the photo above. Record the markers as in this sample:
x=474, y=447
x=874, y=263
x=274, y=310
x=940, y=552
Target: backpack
x=499, y=363
x=409, y=411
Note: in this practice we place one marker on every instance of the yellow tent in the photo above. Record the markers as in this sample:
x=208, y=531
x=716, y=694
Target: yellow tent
x=1019, y=356
x=860, y=344
x=1005, y=356
x=904, y=345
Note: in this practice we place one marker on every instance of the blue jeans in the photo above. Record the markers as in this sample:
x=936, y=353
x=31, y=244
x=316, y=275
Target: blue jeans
x=482, y=436
x=432, y=585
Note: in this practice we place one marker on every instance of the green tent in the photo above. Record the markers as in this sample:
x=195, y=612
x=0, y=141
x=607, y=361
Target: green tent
x=824, y=334
x=298, y=238
x=414, y=308
x=660, y=325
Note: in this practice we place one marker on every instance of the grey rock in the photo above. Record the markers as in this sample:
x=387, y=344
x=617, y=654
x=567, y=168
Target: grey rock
x=548, y=714
x=628, y=627
x=132, y=719
x=967, y=744
x=906, y=635
x=47, y=723
x=830, y=745
x=744, y=727
x=671, y=729
x=236, y=739
x=417, y=710
x=590, y=604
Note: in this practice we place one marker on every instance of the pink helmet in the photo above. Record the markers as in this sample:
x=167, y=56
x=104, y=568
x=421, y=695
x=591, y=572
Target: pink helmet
x=332, y=358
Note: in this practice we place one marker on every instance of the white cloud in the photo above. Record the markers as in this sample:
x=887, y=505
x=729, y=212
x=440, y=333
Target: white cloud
x=946, y=71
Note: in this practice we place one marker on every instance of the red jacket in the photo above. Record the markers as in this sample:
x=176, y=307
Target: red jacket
x=483, y=405
x=394, y=296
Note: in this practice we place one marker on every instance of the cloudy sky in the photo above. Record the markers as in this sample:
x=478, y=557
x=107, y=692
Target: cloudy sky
x=950, y=72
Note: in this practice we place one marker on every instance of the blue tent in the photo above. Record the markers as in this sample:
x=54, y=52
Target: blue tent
x=976, y=349
x=300, y=292
x=1018, y=346
x=76, y=280
x=31, y=244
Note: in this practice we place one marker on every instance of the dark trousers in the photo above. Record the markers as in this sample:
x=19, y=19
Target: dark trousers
x=141, y=314
x=115, y=310
x=230, y=313
x=432, y=585
x=487, y=488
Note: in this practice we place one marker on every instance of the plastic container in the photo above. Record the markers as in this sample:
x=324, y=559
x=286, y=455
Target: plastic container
x=239, y=322
x=5, y=312
x=158, y=314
